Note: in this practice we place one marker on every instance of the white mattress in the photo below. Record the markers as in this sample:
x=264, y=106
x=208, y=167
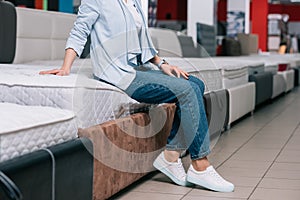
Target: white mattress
x=203, y=69
x=241, y=101
x=28, y=128
x=289, y=77
x=272, y=61
x=279, y=85
x=254, y=66
x=216, y=73
x=93, y=102
x=234, y=73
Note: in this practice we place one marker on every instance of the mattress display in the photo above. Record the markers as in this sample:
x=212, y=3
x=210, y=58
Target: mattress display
x=27, y=128
x=272, y=62
x=254, y=66
x=289, y=77
x=203, y=69
x=264, y=86
x=216, y=73
x=279, y=85
x=93, y=102
x=233, y=73
x=241, y=101
x=271, y=67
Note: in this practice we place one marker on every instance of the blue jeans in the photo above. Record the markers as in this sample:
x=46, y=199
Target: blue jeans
x=190, y=128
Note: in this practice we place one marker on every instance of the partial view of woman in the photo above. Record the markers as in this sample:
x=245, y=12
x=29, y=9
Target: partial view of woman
x=121, y=53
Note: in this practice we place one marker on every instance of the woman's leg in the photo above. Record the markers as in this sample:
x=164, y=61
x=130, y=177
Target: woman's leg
x=190, y=129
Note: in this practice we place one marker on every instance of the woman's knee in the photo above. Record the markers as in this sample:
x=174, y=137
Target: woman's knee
x=195, y=82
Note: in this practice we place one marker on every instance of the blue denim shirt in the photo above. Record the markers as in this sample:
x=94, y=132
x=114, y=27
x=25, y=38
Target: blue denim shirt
x=115, y=44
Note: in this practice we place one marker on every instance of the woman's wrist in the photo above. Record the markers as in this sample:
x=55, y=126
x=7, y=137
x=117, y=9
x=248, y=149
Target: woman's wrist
x=162, y=62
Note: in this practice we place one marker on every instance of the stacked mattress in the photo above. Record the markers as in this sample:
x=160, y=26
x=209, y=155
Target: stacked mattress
x=203, y=69
x=284, y=64
x=93, y=102
x=220, y=74
x=25, y=129
x=216, y=73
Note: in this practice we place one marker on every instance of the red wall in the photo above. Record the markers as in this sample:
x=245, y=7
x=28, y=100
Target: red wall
x=292, y=10
x=259, y=15
x=177, y=9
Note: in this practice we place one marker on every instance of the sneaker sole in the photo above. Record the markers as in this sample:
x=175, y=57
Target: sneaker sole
x=205, y=185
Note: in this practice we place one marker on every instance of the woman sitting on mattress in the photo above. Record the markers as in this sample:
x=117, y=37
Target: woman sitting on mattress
x=121, y=53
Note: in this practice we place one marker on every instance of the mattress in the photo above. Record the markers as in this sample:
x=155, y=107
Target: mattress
x=25, y=129
x=279, y=85
x=273, y=61
x=93, y=102
x=254, y=66
x=241, y=101
x=289, y=77
x=203, y=69
x=233, y=73
x=263, y=86
x=216, y=73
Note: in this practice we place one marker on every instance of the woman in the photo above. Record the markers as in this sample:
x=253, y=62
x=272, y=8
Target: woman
x=120, y=45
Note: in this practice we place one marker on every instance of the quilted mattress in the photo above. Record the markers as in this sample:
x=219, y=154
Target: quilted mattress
x=28, y=128
x=93, y=102
x=289, y=77
x=234, y=73
x=203, y=69
x=216, y=73
x=254, y=66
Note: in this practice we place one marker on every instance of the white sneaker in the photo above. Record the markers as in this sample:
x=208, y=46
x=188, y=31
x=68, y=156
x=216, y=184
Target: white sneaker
x=174, y=170
x=209, y=179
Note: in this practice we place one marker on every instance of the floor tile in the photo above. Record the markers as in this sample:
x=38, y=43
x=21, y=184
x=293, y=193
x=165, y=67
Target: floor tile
x=160, y=186
x=148, y=196
x=247, y=164
x=284, y=174
x=285, y=166
x=242, y=172
x=275, y=194
x=209, y=198
x=282, y=184
x=256, y=154
x=240, y=192
x=241, y=181
x=289, y=156
x=265, y=143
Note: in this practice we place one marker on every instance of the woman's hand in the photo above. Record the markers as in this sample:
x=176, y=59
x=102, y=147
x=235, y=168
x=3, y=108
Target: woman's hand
x=65, y=69
x=58, y=72
x=174, y=71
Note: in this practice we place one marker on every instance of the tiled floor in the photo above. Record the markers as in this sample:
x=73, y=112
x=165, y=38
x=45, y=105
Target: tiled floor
x=260, y=155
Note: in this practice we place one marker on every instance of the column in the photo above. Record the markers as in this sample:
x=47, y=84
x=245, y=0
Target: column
x=260, y=9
